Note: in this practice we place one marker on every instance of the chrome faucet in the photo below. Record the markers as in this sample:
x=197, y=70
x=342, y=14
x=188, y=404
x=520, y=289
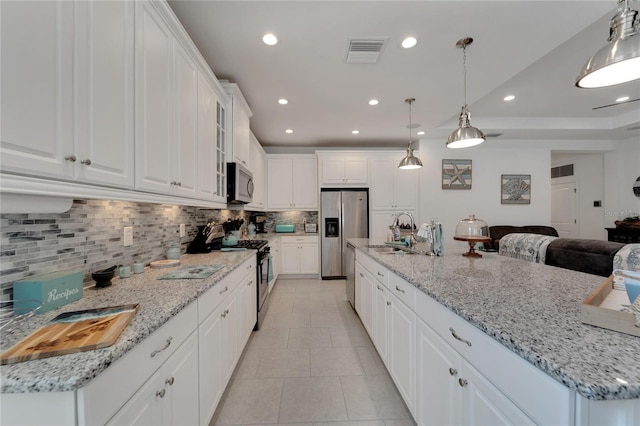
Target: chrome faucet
x=412, y=238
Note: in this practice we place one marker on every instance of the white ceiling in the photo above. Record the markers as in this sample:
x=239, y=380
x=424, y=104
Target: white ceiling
x=531, y=49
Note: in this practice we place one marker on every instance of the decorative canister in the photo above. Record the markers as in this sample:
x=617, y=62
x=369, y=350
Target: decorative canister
x=173, y=252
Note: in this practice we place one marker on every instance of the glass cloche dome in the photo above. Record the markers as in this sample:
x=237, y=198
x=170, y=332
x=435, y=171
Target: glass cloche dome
x=473, y=231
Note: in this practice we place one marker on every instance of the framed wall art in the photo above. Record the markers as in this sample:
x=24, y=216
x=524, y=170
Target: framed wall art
x=456, y=174
x=515, y=189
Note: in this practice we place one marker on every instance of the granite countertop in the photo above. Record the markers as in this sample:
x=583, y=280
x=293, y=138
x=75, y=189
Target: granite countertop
x=530, y=308
x=159, y=300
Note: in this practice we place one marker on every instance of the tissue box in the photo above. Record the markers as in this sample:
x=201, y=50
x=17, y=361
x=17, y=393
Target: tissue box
x=53, y=290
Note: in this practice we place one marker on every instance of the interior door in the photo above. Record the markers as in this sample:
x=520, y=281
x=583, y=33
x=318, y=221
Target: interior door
x=563, y=209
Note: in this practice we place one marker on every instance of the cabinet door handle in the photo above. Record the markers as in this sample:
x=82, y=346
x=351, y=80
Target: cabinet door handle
x=170, y=381
x=70, y=158
x=225, y=313
x=166, y=345
x=379, y=274
x=455, y=336
x=379, y=288
x=453, y=371
x=86, y=162
x=388, y=303
x=463, y=382
x=250, y=282
x=399, y=289
x=226, y=288
x=361, y=274
x=161, y=393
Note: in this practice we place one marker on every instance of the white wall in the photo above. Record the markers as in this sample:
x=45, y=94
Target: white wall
x=622, y=168
x=607, y=174
x=489, y=161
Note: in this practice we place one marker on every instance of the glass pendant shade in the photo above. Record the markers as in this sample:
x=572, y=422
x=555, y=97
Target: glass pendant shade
x=465, y=135
x=619, y=61
x=410, y=162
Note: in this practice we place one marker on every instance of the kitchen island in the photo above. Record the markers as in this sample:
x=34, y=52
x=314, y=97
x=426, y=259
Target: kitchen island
x=178, y=307
x=532, y=310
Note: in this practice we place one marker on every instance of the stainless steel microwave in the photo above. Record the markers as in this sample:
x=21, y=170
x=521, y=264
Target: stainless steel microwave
x=239, y=184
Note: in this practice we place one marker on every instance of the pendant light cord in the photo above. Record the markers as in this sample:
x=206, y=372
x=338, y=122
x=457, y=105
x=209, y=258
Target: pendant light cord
x=464, y=73
x=410, y=102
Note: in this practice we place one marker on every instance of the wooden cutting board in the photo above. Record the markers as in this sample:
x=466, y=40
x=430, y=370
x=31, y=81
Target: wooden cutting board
x=72, y=332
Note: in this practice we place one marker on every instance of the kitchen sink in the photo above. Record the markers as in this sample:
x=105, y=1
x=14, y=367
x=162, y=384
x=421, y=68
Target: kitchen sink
x=390, y=250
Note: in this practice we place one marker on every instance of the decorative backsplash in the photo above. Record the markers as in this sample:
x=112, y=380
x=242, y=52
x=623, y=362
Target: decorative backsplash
x=88, y=237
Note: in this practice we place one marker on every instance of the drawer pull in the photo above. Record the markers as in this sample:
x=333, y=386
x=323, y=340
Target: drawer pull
x=453, y=371
x=399, y=289
x=70, y=158
x=225, y=313
x=361, y=274
x=166, y=345
x=382, y=275
x=86, y=162
x=170, y=381
x=463, y=382
x=250, y=282
x=455, y=336
x=379, y=288
x=388, y=303
x=226, y=288
x=161, y=393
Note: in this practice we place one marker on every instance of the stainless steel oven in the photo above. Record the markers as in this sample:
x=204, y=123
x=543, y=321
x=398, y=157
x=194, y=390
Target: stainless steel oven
x=265, y=272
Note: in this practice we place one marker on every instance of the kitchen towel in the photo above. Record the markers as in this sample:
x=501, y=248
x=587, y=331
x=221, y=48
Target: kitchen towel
x=191, y=272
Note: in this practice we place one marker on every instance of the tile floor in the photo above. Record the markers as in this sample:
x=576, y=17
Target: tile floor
x=312, y=363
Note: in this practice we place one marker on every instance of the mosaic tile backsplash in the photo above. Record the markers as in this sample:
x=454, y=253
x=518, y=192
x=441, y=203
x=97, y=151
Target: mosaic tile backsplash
x=88, y=237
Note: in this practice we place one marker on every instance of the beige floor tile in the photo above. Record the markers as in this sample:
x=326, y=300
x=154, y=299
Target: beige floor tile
x=312, y=399
x=356, y=423
x=406, y=422
x=335, y=362
x=251, y=401
x=350, y=336
x=269, y=338
x=309, y=338
x=326, y=319
x=248, y=365
x=287, y=320
x=284, y=362
x=371, y=362
x=372, y=397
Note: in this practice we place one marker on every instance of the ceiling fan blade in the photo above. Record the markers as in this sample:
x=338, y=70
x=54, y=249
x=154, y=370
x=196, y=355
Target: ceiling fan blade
x=616, y=104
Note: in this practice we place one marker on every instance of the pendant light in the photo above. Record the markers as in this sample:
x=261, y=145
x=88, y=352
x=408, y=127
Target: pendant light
x=410, y=162
x=619, y=61
x=465, y=135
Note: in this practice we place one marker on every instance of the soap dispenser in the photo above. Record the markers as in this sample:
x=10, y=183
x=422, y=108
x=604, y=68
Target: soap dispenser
x=174, y=251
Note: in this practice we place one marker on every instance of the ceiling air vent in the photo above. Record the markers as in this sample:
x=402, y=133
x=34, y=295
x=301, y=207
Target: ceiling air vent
x=562, y=171
x=365, y=50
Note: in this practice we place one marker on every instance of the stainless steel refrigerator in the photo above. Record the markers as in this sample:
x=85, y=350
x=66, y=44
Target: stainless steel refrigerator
x=344, y=213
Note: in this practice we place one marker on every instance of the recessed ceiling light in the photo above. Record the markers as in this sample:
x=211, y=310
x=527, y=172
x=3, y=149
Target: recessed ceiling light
x=283, y=101
x=409, y=42
x=622, y=99
x=420, y=133
x=288, y=131
x=269, y=39
x=355, y=132
x=509, y=98
x=373, y=102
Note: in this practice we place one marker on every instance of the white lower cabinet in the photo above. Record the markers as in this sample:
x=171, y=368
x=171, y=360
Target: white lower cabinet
x=380, y=315
x=401, y=349
x=170, y=396
x=364, y=296
x=299, y=255
x=451, y=391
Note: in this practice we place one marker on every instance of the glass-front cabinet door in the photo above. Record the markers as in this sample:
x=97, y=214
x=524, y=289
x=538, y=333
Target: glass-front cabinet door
x=221, y=153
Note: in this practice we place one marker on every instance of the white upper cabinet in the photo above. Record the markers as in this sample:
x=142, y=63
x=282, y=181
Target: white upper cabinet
x=292, y=182
x=259, y=171
x=337, y=168
x=166, y=108
x=154, y=100
x=67, y=90
x=393, y=188
x=207, y=102
x=239, y=136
